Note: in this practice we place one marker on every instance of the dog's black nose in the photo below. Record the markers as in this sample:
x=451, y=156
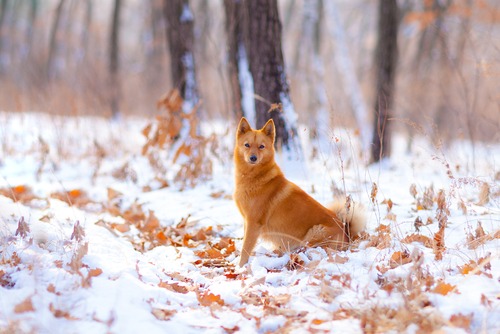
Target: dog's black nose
x=253, y=158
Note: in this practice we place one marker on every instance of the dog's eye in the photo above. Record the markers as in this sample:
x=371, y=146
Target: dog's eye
x=247, y=145
x=261, y=147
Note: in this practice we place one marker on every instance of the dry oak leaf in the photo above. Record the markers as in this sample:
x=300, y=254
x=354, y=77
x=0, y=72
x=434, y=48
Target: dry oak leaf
x=22, y=228
x=78, y=232
x=21, y=193
x=207, y=299
x=443, y=288
x=151, y=223
x=113, y=194
x=461, y=321
x=175, y=287
x=209, y=253
x=75, y=197
x=373, y=195
x=399, y=258
x=163, y=314
x=426, y=241
x=60, y=313
x=24, y=306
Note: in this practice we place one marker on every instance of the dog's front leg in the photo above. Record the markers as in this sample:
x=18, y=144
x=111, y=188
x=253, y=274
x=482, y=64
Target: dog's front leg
x=252, y=232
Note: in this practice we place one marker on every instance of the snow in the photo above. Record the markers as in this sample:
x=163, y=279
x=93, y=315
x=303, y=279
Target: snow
x=49, y=281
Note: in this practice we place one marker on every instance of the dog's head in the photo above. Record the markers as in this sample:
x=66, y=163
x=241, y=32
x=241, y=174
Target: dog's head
x=255, y=146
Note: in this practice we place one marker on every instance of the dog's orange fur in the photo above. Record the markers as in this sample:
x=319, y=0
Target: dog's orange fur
x=276, y=209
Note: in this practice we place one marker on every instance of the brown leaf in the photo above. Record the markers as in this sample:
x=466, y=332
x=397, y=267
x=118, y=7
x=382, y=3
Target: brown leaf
x=426, y=241
x=413, y=190
x=22, y=228
x=60, y=313
x=152, y=222
x=51, y=288
x=113, y=194
x=163, y=314
x=374, y=192
x=134, y=214
x=76, y=260
x=24, y=306
x=176, y=287
x=76, y=197
x=337, y=258
x=443, y=288
x=438, y=245
x=121, y=227
x=95, y=272
x=461, y=321
x=171, y=101
x=210, y=253
x=399, y=258
x=317, y=321
x=78, y=232
x=206, y=298
x=147, y=129
x=21, y=193
x=484, y=194
x=6, y=280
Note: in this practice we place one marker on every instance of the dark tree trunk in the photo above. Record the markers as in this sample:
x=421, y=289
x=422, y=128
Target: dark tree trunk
x=86, y=32
x=155, y=49
x=114, y=61
x=386, y=62
x=265, y=57
x=180, y=38
x=234, y=39
x=3, y=12
x=31, y=26
x=54, y=41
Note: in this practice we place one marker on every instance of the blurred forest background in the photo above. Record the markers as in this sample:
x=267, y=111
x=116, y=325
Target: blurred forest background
x=81, y=57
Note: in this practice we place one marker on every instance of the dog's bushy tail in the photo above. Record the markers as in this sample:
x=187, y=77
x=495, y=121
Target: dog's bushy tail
x=352, y=214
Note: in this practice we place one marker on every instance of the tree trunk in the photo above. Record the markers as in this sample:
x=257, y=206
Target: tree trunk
x=346, y=68
x=385, y=62
x=31, y=26
x=114, y=62
x=232, y=9
x=54, y=41
x=309, y=68
x=263, y=43
x=180, y=38
x=3, y=11
x=86, y=31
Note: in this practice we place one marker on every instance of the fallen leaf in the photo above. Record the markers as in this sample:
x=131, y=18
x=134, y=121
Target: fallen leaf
x=22, y=228
x=121, y=227
x=317, y=321
x=426, y=241
x=399, y=258
x=60, y=313
x=95, y=272
x=78, y=232
x=113, y=194
x=24, y=306
x=461, y=321
x=175, y=287
x=443, y=288
x=206, y=298
x=373, y=195
x=163, y=314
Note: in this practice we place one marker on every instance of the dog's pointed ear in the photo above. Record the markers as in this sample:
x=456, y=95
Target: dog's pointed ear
x=269, y=129
x=243, y=127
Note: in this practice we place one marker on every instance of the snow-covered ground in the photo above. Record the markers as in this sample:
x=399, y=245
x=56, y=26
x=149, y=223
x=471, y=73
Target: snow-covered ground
x=95, y=238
